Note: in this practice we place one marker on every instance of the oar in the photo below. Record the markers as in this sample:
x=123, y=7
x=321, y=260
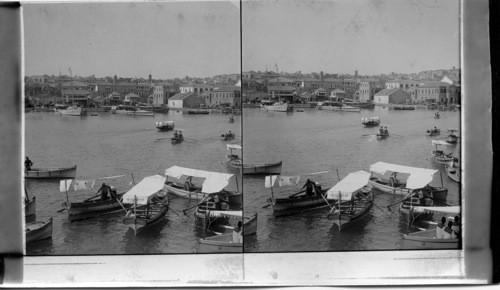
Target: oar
x=404, y=199
x=184, y=210
x=190, y=139
x=162, y=138
x=90, y=198
x=442, y=202
x=176, y=213
x=367, y=135
x=296, y=193
x=62, y=209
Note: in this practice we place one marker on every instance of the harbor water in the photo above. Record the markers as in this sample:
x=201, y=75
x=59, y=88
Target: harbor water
x=316, y=141
x=307, y=142
x=110, y=145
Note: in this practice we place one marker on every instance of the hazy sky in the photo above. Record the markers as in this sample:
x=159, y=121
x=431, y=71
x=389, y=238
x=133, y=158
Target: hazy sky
x=132, y=39
x=373, y=36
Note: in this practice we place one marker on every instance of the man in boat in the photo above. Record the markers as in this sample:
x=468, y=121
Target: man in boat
x=104, y=190
x=180, y=135
x=456, y=226
x=440, y=228
x=229, y=134
x=153, y=199
x=317, y=188
x=435, y=130
x=309, y=187
x=176, y=135
x=188, y=184
x=448, y=232
x=237, y=232
x=27, y=164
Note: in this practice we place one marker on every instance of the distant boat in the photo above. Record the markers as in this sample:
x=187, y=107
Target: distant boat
x=234, y=161
x=452, y=138
x=278, y=107
x=198, y=111
x=437, y=115
x=433, y=132
x=337, y=106
x=438, y=155
x=362, y=105
x=71, y=111
x=51, y=172
x=383, y=132
x=165, y=126
x=227, y=136
x=404, y=108
x=354, y=199
x=37, y=231
x=371, y=122
x=131, y=111
x=453, y=170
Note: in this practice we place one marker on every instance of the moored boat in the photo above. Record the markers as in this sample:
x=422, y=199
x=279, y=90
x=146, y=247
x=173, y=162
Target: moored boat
x=29, y=207
x=354, y=199
x=412, y=178
x=220, y=243
x=227, y=136
x=234, y=161
x=213, y=182
x=277, y=107
x=362, y=105
x=337, y=106
x=452, y=138
x=438, y=155
x=165, y=125
x=131, y=111
x=71, y=111
x=370, y=122
x=36, y=231
x=404, y=108
x=427, y=240
x=149, y=203
x=296, y=202
x=51, y=172
x=414, y=209
x=453, y=170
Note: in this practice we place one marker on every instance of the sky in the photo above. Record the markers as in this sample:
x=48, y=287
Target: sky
x=168, y=40
x=340, y=36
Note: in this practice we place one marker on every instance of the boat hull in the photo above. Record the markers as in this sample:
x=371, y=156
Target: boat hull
x=287, y=206
x=387, y=187
x=426, y=240
x=139, y=224
x=453, y=173
x=169, y=186
x=382, y=136
x=176, y=140
x=250, y=226
x=71, y=112
x=220, y=244
x=277, y=108
x=257, y=168
x=442, y=159
x=37, y=231
x=135, y=113
x=346, y=217
x=30, y=208
x=46, y=173
x=83, y=210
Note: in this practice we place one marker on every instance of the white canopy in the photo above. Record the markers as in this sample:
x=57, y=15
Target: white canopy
x=165, y=123
x=233, y=146
x=370, y=119
x=419, y=177
x=214, y=181
x=349, y=185
x=144, y=189
x=440, y=142
x=449, y=210
x=283, y=180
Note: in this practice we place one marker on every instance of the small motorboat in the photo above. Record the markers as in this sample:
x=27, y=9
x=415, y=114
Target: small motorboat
x=383, y=132
x=165, y=126
x=370, y=122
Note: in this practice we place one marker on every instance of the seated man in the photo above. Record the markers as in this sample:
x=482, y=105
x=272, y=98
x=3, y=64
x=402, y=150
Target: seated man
x=104, y=190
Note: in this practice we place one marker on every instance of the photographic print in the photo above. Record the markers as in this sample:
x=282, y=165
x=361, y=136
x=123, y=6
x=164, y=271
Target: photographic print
x=128, y=111
x=354, y=107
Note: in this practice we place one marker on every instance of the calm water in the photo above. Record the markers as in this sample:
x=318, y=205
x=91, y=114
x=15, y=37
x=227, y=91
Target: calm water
x=314, y=141
x=110, y=145
x=306, y=142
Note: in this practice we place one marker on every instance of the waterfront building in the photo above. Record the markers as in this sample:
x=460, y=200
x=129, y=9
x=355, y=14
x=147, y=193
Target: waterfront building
x=401, y=84
x=185, y=100
x=413, y=94
x=39, y=80
x=125, y=88
x=226, y=96
x=310, y=84
x=131, y=99
x=161, y=92
x=75, y=92
x=103, y=89
x=391, y=96
x=144, y=90
x=114, y=99
x=196, y=88
x=349, y=86
x=283, y=89
x=332, y=83
x=338, y=94
x=368, y=88
x=320, y=94
x=451, y=79
x=438, y=92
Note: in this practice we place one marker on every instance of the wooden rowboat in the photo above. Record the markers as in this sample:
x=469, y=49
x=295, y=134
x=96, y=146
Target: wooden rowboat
x=143, y=218
x=220, y=243
x=253, y=168
x=177, y=140
x=37, y=231
x=453, y=171
x=51, y=172
x=227, y=136
x=250, y=225
x=180, y=190
x=350, y=211
x=427, y=240
x=91, y=208
x=296, y=204
x=433, y=132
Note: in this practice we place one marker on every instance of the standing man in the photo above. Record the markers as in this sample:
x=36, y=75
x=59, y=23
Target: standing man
x=104, y=191
x=27, y=164
x=309, y=187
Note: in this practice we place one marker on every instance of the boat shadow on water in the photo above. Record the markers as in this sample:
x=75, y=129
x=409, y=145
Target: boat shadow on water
x=348, y=238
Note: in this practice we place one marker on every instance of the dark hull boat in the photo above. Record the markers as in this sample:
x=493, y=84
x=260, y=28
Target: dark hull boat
x=51, y=173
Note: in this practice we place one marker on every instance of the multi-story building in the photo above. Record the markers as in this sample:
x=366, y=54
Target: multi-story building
x=144, y=90
x=196, y=88
x=162, y=92
x=438, y=92
x=283, y=89
x=401, y=84
x=131, y=99
x=368, y=88
x=229, y=96
x=75, y=92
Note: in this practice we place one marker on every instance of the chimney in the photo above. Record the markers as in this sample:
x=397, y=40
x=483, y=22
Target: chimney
x=114, y=80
